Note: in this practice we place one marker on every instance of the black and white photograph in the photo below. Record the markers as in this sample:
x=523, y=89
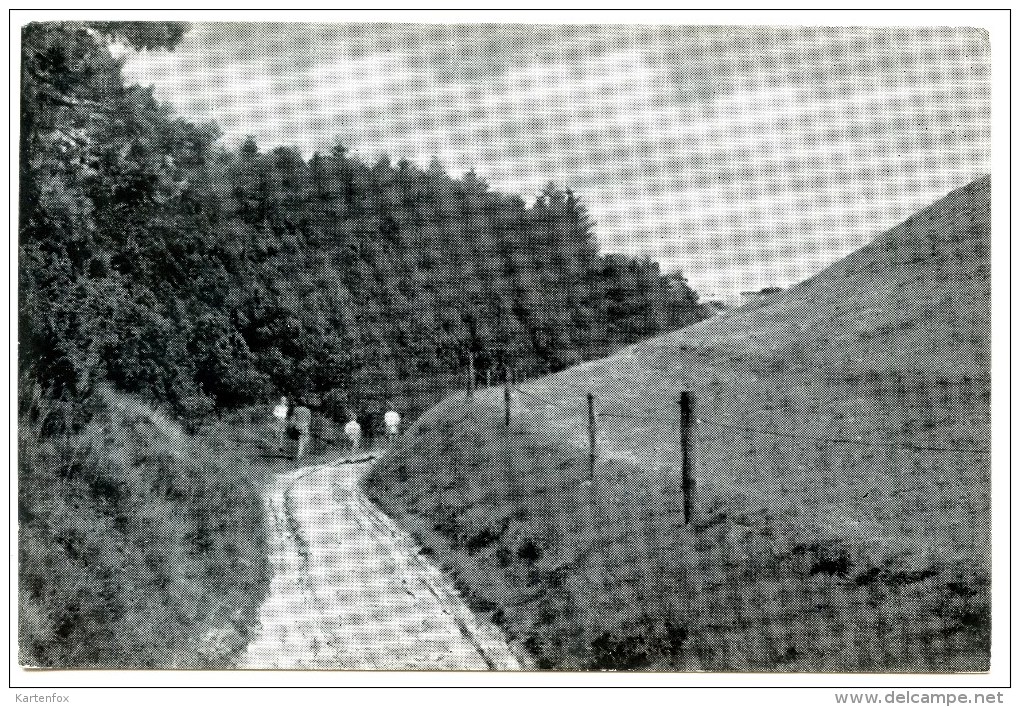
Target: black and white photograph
x=503, y=346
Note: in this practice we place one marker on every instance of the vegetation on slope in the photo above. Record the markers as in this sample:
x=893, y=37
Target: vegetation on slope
x=870, y=552
x=140, y=546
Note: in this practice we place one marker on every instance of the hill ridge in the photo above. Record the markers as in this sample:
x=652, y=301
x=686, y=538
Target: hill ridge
x=890, y=279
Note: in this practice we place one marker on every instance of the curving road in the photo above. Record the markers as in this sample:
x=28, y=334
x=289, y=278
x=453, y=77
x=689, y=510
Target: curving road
x=350, y=590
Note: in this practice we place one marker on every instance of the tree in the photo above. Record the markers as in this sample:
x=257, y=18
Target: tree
x=96, y=162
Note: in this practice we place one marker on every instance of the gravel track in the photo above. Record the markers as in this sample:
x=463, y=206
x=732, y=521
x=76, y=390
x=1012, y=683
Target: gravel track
x=350, y=591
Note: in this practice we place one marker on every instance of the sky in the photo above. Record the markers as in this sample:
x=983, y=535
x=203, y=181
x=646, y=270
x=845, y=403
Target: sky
x=744, y=157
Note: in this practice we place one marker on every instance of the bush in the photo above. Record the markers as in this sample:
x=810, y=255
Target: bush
x=136, y=540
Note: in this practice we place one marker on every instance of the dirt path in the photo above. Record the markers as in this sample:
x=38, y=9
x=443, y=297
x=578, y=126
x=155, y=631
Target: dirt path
x=351, y=591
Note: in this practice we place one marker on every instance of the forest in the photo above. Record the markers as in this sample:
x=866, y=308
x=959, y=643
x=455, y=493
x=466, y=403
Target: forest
x=207, y=278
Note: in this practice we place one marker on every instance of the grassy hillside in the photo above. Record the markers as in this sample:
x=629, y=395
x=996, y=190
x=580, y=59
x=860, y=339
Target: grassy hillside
x=140, y=546
x=867, y=553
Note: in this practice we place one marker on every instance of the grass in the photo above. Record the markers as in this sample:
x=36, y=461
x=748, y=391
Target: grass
x=867, y=554
x=140, y=546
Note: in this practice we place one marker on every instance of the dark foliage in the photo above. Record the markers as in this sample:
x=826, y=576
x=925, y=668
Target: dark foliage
x=139, y=546
x=205, y=278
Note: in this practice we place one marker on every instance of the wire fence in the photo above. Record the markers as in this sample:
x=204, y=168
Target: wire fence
x=815, y=537
x=845, y=440
x=662, y=416
x=778, y=459
x=668, y=436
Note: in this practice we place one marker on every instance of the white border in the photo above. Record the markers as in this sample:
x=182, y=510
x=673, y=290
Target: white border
x=996, y=22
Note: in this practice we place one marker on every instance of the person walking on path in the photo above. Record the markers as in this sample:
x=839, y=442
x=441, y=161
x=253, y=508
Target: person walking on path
x=392, y=421
x=301, y=421
x=280, y=414
x=353, y=431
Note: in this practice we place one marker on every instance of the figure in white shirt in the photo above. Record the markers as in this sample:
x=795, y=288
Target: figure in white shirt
x=280, y=421
x=353, y=431
x=392, y=422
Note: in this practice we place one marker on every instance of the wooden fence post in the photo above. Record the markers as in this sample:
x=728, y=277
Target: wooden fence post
x=686, y=454
x=506, y=393
x=591, y=437
x=471, y=375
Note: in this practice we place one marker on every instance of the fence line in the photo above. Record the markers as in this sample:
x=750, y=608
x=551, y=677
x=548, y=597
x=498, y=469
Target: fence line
x=828, y=440
x=626, y=416
x=687, y=420
x=540, y=398
x=664, y=416
x=674, y=476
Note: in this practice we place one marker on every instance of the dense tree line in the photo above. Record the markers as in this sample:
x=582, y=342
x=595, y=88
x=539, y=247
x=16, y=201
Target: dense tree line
x=203, y=277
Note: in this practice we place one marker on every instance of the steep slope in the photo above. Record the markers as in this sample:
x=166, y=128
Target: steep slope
x=841, y=514
x=919, y=291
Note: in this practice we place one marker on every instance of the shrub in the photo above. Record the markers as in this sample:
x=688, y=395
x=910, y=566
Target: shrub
x=135, y=539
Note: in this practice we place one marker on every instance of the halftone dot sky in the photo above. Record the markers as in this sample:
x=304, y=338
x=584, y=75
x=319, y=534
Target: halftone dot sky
x=743, y=156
